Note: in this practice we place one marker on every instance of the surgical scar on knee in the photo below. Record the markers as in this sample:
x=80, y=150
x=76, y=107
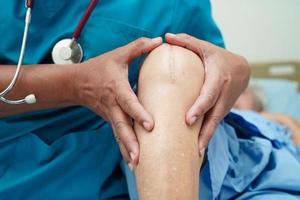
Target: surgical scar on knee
x=172, y=64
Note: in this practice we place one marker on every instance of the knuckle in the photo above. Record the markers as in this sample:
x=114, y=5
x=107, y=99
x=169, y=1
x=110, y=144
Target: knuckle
x=108, y=98
x=99, y=109
x=129, y=102
x=199, y=107
x=200, y=111
x=119, y=125
x=130, y=105
x=245, y=67
x=241, y=63
x=220, y=77
x=244, y=62
x=210, y=98
x=142, y=41
x=225, y=78
x=121, y=86
x=123, y=92
x=131, y=141
x=184, y=36
x=128, y=140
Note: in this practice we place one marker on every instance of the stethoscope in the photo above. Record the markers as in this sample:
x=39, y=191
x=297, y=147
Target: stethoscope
x=66, y=51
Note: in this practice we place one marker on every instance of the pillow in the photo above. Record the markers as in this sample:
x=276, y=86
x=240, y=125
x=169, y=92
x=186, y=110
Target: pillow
x=279, y=95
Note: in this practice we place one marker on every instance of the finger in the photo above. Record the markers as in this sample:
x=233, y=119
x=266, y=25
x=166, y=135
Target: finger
x=123, y=129
x=213, y=118
x=129, y=103
x=209, y=125
x=130, y=164
x=124, y=152
x=209, y=94
x=185, y=40
x=139, y=47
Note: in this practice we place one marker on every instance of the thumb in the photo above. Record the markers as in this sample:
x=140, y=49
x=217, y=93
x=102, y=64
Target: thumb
x=139, y=47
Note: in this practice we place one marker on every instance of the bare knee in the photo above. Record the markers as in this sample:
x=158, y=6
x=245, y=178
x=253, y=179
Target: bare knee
x=172, y=73
x=168, y=64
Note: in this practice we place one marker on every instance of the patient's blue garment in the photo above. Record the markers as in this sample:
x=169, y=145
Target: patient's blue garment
x=253, y=159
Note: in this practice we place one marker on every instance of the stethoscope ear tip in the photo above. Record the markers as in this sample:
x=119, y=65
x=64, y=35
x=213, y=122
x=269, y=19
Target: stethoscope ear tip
x=30, y=99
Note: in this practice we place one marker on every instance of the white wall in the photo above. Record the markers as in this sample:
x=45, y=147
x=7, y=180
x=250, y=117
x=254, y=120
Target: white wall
x=261, y=30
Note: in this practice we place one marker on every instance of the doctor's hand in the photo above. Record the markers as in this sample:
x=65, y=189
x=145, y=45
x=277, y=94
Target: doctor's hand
x=102, y=85
x=226, y=76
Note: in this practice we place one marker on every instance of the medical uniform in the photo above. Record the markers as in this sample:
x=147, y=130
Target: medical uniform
x=70, y=153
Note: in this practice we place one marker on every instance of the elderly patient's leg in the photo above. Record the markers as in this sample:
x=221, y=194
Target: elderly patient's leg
x=169, y=164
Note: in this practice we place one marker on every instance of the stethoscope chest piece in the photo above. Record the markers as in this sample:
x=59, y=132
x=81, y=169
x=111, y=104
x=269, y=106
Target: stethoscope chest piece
x=67, y=51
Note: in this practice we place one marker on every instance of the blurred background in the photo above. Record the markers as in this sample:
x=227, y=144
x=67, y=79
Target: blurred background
x=261, y=30
x=267, y=33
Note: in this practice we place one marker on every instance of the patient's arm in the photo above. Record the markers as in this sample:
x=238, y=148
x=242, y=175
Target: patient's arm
x=288, y=121
x=170, y=80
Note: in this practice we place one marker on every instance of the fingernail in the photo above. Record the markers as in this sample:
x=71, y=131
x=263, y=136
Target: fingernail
x=132, y=157
x=171, y=35
x=157, y=40
x=202, y=152
x=193, y=120
x=130, y=166
x=147, y=126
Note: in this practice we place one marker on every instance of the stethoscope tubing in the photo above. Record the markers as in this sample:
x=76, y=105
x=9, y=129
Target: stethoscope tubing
x=20, y=61
x=84, y=19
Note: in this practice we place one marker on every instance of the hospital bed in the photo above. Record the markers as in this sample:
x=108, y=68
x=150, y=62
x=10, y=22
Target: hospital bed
x=280, y=83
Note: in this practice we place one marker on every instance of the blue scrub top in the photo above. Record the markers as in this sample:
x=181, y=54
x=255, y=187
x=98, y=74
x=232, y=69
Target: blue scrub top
x=70, y=153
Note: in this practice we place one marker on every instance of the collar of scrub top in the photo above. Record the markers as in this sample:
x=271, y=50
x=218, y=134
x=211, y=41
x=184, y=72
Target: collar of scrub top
x=69, y=51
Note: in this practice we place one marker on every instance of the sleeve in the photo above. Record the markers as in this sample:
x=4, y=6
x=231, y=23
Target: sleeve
x=194, y=17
